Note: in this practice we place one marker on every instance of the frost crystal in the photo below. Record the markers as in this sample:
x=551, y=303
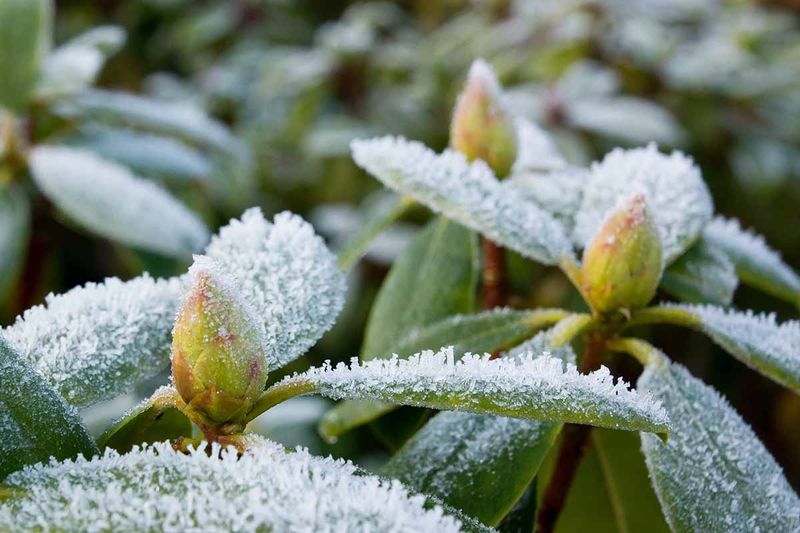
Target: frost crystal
x=713, y=474
x=155, y=489
x=107, y=199
x=675, y=193
x=525, y=386
x=559, y=192
x=97, y=341
x=467, y=193
x=704, y=274
x=287, y=275
x=758, y=340
x=756, y=262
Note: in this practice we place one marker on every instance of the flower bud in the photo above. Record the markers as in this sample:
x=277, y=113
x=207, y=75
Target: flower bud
x=623, y=262
x=219, y=363
x=481, y=128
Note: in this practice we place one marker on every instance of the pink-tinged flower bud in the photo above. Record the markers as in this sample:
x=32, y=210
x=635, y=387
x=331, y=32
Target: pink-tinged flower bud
x=219, y=363
x=622, y=264
x=481, y=128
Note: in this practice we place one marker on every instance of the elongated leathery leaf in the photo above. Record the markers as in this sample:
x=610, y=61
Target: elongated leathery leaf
x=704, y=274
x=287, y=275
x=675, y=192
x=35, y=422
x=713, y=474
x=488, y=331
x=110, y=201
x=525, y=386
x=756, y=263
x=467, y=193
x=757, y=340
x=25, y=28
x=97, y=341
x=478, y=463
x=14, y=230
x=266, y=489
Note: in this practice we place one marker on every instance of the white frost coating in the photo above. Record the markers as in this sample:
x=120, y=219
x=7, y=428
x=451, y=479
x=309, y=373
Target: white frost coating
x=756, y=261
x=526, y=386
x=756, y=339
x=468, y=193
x=713, y=474
x=536, y=150
x=481, y=71
x=287, y=275
x=155, y=489
x=109, y=200
x=96, y=341
x=676, y=195
x=704, y=274
x=559, y=192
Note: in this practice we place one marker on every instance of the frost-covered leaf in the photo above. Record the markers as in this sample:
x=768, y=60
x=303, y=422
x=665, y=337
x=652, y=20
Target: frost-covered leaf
x=177, y=119
x=266, y=489
x=150, y=155
x=713, y=474
x=757, y=340
x=74, y=66
x=287, y=275
x=559, y=192
x=756, y=263
x=524, y=386
x=478, y=463
x=97, y=341
x=468, y=193
x=675, y=192
x=536, y=150
x=489, y=331
x=14, y=231
x=633, y=120
x=25, y=28
x=110, y=201
x=704, y=274
x=35, y=422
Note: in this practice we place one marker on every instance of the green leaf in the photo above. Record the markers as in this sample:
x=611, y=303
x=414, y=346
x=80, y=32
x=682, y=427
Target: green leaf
x=757, y=340
x=611, y=492
x=489, y=331
x=14, y=230
x=35, y=422
x=704, y=274
x=156, y=419
x=756, y=263
x=25, y=33
x=110, y=201
x=713, y=474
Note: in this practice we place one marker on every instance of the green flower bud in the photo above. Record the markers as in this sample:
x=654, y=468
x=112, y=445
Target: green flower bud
x=219, y=363
x=622, y=264
x=481, y=128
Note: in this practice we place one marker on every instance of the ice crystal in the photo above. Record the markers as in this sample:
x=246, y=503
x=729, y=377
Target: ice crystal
x=157, y=489
x=559, y=192
x=287, y=275
x=713, y=474
x=97, y=341
x=704, y=274
x=467, y=193
x=524, y=386
x=756, y=339
x=756, y=262
x=675, y=193
x=109, y=200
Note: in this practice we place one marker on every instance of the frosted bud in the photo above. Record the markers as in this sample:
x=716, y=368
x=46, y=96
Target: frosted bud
x=623, y=262
x=219, y=363
x=481, y=127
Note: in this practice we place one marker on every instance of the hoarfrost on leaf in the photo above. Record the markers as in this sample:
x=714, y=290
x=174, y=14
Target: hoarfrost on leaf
x=467, y=193
x=524, y=386
x=536, y=150
x=155, y=488
x=675, y=192
x=704, y=274
x=559, y=192
x=756, y=339
x=713, y=474
x=109, y=200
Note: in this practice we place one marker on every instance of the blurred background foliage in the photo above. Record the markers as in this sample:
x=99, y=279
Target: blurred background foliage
x=295, y=81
